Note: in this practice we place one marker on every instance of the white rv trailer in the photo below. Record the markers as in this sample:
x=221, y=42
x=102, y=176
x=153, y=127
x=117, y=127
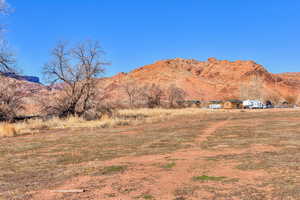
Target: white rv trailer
x=215, y=106
x=253, y=104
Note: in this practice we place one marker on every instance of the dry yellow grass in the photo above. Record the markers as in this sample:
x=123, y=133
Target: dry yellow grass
x=36, y=125
x=120, y=118
x=7, y=130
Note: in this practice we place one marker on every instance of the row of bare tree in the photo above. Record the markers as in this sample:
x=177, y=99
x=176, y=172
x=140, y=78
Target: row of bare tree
x=152, y=95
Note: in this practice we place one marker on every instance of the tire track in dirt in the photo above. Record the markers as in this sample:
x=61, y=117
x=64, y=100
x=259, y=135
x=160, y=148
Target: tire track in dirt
x=211, y=130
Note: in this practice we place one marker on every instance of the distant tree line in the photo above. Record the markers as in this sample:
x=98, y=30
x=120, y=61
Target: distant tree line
x=151, y=95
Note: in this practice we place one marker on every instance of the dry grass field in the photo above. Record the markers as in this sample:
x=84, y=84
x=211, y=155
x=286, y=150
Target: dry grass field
x=187, y=154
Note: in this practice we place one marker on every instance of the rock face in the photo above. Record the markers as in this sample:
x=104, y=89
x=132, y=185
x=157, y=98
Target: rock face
x=209, y=80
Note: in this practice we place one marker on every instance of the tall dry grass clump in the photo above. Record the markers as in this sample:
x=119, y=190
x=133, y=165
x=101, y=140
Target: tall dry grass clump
x=37, y=125
x=8, y=130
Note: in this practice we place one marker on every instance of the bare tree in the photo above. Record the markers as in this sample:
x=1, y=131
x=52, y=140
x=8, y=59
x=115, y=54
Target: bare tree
x=152, y=95
x=7, y=58
x=11, y=95
x=133, y=92
x=11, y=99
x=76, y=69
x=174, y=95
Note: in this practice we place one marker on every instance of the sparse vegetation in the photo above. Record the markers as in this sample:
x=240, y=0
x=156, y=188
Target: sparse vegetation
x=169, y=165
x=185, y=192
x=208, y=178
x=124, y=159
x=113, y=170
x=148, y=196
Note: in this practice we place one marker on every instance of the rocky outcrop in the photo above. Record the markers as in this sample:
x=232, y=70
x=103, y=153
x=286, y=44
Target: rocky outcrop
x=211, y=79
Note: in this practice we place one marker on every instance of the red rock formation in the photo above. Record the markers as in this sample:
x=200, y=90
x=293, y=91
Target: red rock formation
x=213, y=79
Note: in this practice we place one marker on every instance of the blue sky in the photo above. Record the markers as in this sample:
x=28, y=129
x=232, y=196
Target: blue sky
x=138, y=32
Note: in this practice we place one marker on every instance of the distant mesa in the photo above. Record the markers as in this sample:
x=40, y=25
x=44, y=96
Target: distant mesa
x=33, y=79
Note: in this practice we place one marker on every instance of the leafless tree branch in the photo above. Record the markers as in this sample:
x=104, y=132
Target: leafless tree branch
x=76, y=68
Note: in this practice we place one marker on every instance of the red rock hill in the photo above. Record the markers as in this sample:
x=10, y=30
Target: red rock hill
x=211, y=79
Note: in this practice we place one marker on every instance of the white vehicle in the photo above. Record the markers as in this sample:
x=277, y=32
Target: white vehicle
x=215, y=106
x=253, y=104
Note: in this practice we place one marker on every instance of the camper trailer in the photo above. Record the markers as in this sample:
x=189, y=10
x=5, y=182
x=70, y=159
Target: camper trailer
x=253, y=104
x=215, y=105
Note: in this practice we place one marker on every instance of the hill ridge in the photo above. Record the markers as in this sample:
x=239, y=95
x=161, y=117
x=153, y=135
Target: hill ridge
x=210, y=79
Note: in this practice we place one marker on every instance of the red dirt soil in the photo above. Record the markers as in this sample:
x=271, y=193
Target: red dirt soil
x=144, y=176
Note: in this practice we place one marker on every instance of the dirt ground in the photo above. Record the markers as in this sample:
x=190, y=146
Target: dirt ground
x=221, y=156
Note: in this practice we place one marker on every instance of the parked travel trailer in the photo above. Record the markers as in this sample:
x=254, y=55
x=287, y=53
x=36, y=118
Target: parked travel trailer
x=253, y=104
x=215, y=105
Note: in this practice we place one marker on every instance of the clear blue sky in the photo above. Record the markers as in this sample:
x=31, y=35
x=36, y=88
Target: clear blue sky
x=138, y=32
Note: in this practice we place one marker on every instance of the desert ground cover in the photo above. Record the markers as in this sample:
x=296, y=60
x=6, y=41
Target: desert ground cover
x=185, y=156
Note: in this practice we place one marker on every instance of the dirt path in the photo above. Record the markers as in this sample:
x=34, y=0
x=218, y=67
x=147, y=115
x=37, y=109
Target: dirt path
x=157, y=181
x=147, y=176
x=211, y=130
